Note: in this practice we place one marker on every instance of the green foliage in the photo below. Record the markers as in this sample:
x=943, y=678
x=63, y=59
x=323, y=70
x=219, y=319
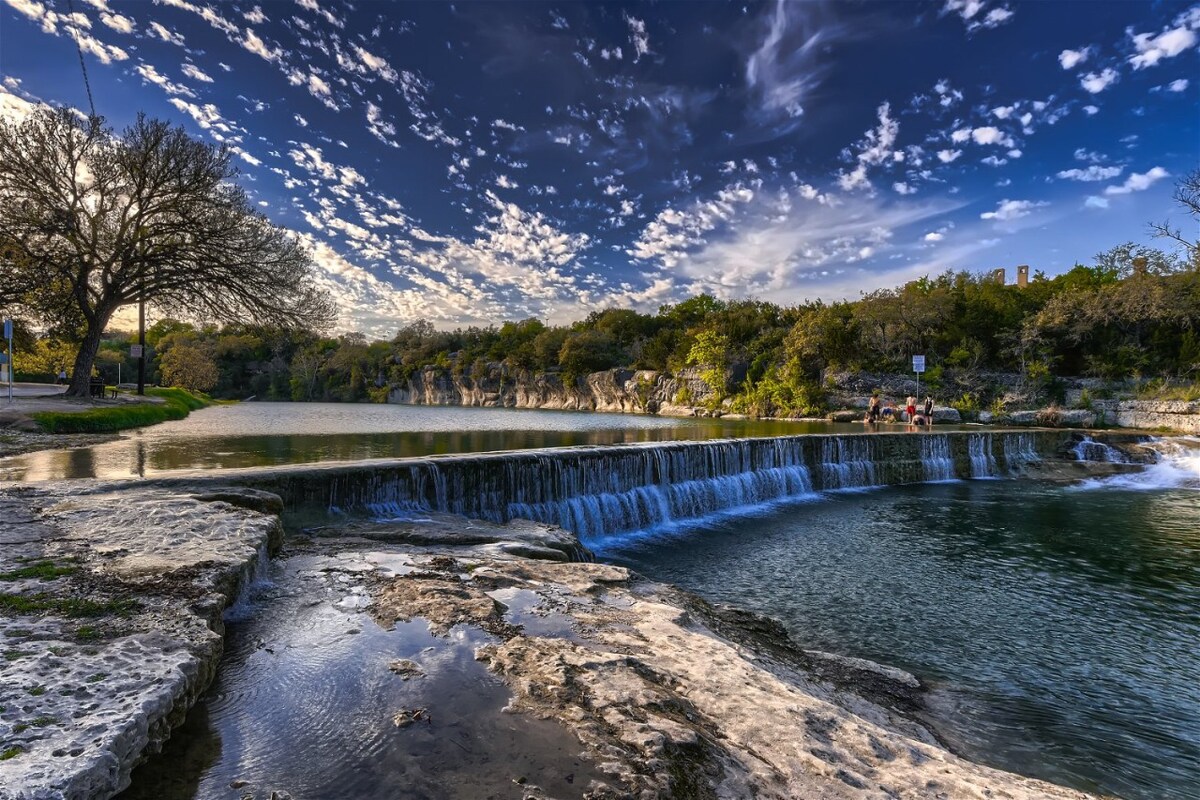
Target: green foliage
x=43, y=570
x=967, y=405
x=44, y=603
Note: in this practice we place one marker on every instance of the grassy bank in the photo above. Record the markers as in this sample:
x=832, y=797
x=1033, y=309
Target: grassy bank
x=177, y=404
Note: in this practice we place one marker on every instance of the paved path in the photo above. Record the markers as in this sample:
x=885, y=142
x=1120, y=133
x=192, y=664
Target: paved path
x=32, y=390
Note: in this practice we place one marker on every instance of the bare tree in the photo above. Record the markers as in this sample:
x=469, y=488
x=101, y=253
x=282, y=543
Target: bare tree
x=1187, y=194
x=91, y=221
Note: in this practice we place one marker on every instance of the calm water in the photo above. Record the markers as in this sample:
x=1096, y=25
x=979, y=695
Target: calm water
x=263, y=434
x=305, y=699
x=1060, y=626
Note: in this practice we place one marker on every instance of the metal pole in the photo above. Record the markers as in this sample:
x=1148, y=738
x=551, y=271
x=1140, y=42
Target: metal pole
x=10, y=364
x=142, y=340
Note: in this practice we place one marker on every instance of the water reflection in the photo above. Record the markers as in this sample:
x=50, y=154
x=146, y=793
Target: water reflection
x=1061, y=627
x=263, y=434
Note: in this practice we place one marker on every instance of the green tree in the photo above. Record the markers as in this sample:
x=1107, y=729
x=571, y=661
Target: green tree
x=189, y=367
x=92, y=221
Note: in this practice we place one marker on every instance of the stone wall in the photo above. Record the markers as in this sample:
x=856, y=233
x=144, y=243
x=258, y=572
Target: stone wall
x=1175, y=415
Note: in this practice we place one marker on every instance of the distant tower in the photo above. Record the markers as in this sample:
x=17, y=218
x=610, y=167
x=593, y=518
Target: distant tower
x=1023, y=275
x=998, y=275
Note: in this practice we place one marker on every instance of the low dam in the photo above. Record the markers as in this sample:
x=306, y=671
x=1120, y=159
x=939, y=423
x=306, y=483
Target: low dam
x=597, y=492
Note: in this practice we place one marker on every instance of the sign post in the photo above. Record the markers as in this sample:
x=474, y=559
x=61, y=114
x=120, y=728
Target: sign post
x=918, y=367
x=8, y=334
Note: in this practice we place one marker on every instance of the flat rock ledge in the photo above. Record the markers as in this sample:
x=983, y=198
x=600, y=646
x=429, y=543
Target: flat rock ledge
x=111, y=626
x=117, y=626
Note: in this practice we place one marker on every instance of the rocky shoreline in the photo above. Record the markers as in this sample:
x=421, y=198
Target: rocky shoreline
x=112, y=628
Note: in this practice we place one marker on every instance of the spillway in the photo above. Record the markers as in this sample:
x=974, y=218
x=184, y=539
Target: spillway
x=602, y=491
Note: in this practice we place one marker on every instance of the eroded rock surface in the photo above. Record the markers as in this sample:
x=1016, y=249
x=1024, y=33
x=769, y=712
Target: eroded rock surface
x=110, y=626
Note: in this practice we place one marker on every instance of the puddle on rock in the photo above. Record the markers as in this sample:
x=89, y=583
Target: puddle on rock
x=530, y=610
x=305, y=702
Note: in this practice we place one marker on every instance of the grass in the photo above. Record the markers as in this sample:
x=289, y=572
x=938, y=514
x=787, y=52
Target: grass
x=11, y=752
x=63, y=606
x=177, y=404
x=46, y=570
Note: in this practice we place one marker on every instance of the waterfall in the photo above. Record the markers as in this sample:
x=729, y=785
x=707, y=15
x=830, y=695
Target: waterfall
x=936, y=458
x=606, y=490
x=1019, y=449
x=983, y=461
x=847, y=462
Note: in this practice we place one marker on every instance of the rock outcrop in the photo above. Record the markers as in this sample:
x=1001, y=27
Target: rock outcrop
x=1174, y=415
x=614, y=390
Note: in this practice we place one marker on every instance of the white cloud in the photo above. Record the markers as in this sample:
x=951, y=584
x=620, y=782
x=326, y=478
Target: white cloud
x=192, y=71
x=875, y=148
x=1091, y=111
x=1178, y=85
x=1153, y=48
x=119, y=23
x=1069, y=59
x=637, y=37
x=157, y=29
x=504, y=182
x=947, y=156
x=934, y=236
x=900, y=187
x=976, y=14
x=991, y=135
x=1095, y=202
x=1095, y=172
x=1009, y=210
x=1096, y=82
x=1138, y=181
x=151, y=75
x=788, y=62
x=255, y=16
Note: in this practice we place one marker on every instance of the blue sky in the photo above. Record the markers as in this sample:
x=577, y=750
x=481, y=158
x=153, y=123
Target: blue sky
x=467, y=163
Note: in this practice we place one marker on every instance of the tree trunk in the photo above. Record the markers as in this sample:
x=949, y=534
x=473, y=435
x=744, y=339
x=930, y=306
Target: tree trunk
x=81, y=376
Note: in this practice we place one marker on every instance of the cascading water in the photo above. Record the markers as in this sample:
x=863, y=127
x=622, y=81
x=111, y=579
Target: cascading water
x=936, y=458
x=1019, y=449
x=597, y=492
x=1177, y=467
x=1090, y=450
x=847, y=463
x=983, y=461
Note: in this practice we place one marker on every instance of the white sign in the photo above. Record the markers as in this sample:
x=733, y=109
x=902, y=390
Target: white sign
x=918, y=363
x=135, y=351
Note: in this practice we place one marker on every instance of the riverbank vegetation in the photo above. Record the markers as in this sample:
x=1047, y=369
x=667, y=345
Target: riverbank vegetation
x=173, y=403
x=1132, y=316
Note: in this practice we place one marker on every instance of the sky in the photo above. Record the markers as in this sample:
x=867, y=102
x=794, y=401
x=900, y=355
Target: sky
x=469, y=163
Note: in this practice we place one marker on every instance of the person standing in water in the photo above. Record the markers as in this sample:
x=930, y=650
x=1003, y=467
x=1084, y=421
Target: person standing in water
x=910, y=407
x=928, y=409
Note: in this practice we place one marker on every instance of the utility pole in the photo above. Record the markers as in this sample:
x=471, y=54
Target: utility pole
x=142, y=339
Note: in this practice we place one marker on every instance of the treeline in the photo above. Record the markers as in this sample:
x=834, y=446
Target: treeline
x=1133, y=313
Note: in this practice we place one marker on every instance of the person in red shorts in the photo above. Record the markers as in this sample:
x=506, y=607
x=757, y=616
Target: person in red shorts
x=910, y=406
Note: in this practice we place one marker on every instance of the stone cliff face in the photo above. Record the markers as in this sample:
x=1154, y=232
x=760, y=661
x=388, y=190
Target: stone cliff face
x=625, y=391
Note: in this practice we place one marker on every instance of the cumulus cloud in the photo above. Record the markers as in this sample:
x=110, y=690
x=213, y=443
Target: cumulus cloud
x=978, y=14
x=1151, y=48
x=1069, y=59
x=947, y=156
x=1138, y=181
x=1096, y=82
x=876, y=147
x=638, y=38
x=1009, y=210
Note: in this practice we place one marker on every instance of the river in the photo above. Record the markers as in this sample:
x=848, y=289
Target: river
x=267, y=434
